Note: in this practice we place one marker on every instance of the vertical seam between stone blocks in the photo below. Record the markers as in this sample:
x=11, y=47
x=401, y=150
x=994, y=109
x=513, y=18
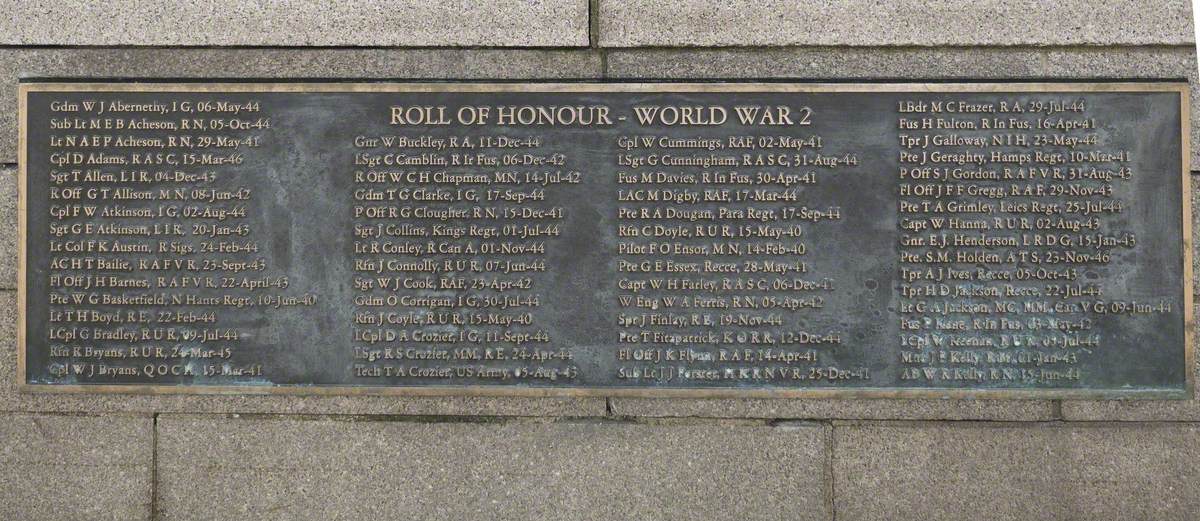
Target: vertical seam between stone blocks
x=593, y=23
x=594, y=35
x=154, y=513
x=831, y=487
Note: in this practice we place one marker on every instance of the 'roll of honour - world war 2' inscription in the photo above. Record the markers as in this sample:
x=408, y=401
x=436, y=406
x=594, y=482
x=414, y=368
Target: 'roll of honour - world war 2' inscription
x=722, y=239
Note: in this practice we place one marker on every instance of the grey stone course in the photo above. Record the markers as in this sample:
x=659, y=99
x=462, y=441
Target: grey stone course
x=496, y=23
x=855, y=23
x=267, y=469
x=8, y=228
x=1017, y=472
x=75, y=467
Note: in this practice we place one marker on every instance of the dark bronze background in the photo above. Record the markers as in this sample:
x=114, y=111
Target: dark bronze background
x=304, y=224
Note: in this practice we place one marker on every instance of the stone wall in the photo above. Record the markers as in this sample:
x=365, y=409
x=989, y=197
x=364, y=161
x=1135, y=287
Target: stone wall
x=118, y=457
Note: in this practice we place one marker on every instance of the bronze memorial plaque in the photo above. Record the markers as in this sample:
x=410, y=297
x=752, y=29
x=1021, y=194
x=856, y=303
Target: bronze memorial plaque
x=624, y=239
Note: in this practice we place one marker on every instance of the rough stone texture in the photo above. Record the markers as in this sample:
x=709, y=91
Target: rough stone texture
x=375, y=64
x=906, y=63
x=13, y=400
x=8, y=228
x=717, y=23
x=882, y=409
x=265, y=469
x=497, y=23
x=952, y=472
x=75, y=467
x=997, y=64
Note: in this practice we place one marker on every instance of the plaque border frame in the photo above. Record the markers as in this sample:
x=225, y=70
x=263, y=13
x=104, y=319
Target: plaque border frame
x=1182, y=88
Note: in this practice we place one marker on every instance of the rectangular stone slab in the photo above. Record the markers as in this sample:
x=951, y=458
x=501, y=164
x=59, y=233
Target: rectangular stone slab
x=1021, y=240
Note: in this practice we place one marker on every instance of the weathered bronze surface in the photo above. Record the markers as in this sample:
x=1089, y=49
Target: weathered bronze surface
x=892, y=240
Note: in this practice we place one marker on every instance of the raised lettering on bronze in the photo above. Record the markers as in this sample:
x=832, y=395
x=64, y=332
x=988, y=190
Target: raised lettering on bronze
x=1020, y=240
